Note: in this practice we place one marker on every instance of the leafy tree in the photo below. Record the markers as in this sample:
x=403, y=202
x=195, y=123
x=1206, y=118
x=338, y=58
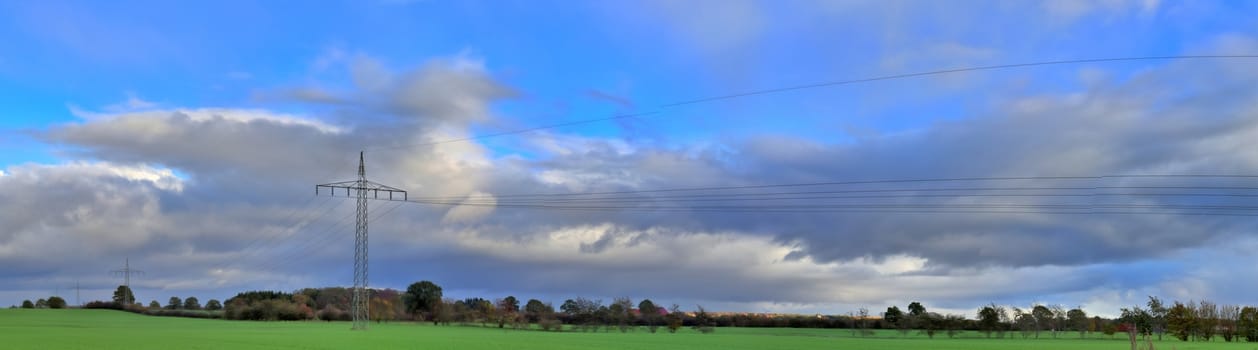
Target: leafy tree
x=421, y=297
x=213, y=305
x=916, y=309
x=953, y=325
x=1109, y=329
x=1024, y=322
x=27, y=304
x=124, y=296
x=1141, y=322
x=568, y=307
x=1078, y=320
x=510, y=304
x=930, y=323
x=893, y=315
x=1179, y=321
x=535, y=310
x=41, y=304
x=1043, y=317
x=56, y=302
x=988, y=319
x=649, y=313
x=192, y=303
x=381, y=309
x=155, y=305
x=582, y=312
x=1246, y=324
x=621, y=313
x=174, y=304
x=444, y=312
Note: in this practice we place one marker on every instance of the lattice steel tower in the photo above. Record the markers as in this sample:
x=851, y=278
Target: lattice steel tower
x=360, y=189
x=126, y=272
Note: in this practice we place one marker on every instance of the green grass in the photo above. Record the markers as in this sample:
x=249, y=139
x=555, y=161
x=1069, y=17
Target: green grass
x=107, y=329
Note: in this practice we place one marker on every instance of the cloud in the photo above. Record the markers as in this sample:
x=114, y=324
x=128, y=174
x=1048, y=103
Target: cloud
x=477, y=205
x=231, y=219
x=133, y=103
x=235, y=218
x=1072, y=10
x=442, y=91
x=300, y=94
x=725, y=26
x=70, y=213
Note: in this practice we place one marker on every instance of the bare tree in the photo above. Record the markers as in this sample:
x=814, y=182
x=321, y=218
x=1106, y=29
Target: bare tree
x=1207, y=319
x=1006, y=322
x=1157, y=311
x=1228, y=317
x=1058, y=321
x=863, y=322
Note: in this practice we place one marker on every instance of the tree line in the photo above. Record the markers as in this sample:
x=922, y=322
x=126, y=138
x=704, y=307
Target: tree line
x=123, y=299
x=53, y=302
x=423, y=301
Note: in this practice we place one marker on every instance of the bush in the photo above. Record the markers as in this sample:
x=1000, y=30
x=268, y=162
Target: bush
x=550, y=325
x=97, y=304
x=184, y=313
x=332, y=313
x=265, y=306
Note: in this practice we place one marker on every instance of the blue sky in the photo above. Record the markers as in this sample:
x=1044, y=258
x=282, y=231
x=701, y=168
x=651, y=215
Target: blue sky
x=176, y=117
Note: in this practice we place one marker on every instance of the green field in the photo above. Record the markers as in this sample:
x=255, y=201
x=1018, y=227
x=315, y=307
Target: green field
x=107, y=329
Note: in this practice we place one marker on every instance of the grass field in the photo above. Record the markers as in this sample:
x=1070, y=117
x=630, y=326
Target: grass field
x=107, y=329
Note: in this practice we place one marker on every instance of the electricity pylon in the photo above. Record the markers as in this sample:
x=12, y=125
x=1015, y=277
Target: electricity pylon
x=360, y=188
x=76, y=294
x=126, y=273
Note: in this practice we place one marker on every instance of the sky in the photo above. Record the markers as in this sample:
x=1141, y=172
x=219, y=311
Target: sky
x=186, y=138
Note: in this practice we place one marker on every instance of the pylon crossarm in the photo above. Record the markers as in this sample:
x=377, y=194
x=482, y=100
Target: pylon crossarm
x=373, y=190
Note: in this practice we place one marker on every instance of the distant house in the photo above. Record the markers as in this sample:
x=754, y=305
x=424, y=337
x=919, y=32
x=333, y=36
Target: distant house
x=659, y=311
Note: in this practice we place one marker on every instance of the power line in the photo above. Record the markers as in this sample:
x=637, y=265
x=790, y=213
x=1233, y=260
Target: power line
x=897, y=181
x=304, y=248
x=905, y=198
x=949, y=71
x=920, y=209
x=907, y=208
x=833, y=83
x=267, y=239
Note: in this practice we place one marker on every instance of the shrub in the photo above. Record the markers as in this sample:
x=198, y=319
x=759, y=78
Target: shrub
x=550, y=325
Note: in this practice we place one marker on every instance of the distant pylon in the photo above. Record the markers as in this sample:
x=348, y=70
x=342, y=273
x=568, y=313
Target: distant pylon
x=126, y=273
x=361, y=187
